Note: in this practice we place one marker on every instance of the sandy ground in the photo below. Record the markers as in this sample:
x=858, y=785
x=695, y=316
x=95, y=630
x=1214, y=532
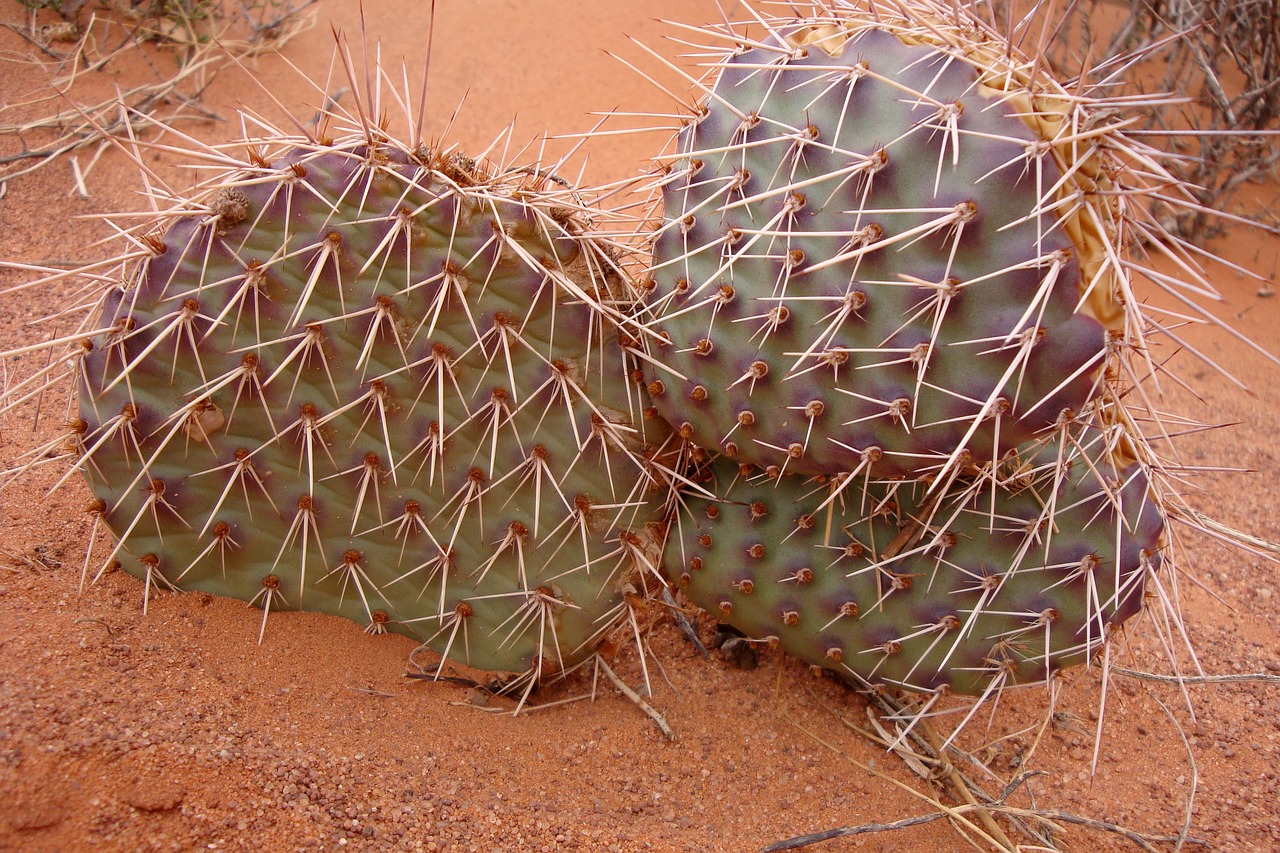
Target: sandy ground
x=174, y=730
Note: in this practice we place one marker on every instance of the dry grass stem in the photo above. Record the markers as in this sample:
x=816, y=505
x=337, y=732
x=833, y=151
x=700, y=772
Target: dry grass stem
x=897, y=725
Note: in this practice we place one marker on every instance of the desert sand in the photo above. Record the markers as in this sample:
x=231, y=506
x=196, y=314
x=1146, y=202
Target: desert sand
x=176, y=730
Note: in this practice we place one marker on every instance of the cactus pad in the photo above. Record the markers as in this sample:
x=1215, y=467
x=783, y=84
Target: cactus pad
x=877, y=248
x=381, y=382
x=985, y=585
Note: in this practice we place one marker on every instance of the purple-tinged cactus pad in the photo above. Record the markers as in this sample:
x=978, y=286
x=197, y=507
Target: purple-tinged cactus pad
x=867, y=252
x=969, y=589
x=380, y=383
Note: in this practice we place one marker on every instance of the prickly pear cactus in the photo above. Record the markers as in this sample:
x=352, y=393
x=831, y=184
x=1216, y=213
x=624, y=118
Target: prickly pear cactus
x=882, y=246
x=992, y=583
x=380, y=382
x=894, y=284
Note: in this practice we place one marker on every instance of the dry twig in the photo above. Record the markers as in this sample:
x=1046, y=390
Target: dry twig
x=635, y=697
x=1262, y=677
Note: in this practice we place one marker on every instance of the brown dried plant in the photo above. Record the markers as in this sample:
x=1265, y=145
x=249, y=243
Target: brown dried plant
x=1204, y=78
x=78, y=47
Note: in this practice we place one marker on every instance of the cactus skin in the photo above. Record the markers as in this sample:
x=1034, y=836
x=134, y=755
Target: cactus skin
x=376, y=382
x=870, y=249
x=892, y=586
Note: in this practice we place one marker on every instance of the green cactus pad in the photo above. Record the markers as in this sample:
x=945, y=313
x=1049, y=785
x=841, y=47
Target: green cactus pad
x=873, y=249
x=969, y=589
x=377, y=382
